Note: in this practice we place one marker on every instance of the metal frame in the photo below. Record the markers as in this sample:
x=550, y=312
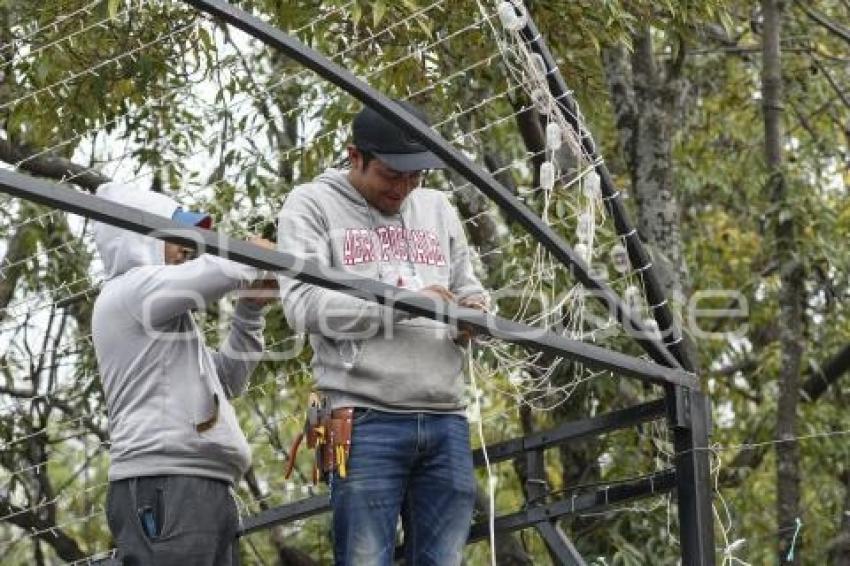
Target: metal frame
x=540, y=513
x=684, y=405
x=481, y=179
x=690, y=426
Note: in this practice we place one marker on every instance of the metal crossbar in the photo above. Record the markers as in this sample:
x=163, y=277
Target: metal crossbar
x=58, y=196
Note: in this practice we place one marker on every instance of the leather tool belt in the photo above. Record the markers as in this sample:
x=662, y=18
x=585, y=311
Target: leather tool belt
x=328, y=433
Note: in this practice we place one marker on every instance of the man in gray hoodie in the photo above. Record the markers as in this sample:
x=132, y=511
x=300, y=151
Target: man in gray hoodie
x=176, y=446
x=410, y=451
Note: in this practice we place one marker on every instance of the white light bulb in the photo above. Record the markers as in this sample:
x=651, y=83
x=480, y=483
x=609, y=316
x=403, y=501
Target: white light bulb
x=510, y=19
x=632, y=298
x=652, y=328
x=584, y=227
x=539, y=64
x=547, y=175
x=554, y=136
x=592, y=185
x=583, y=252
x=620, y=258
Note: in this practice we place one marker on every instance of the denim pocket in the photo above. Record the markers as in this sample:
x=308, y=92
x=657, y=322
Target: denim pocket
x=362, y=415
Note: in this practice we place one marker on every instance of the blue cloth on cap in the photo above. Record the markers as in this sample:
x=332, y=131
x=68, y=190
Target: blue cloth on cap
x=200, y=219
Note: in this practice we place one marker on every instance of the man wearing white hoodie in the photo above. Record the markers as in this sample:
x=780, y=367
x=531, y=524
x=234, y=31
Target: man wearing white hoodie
x=410, y=452
x=176, y=446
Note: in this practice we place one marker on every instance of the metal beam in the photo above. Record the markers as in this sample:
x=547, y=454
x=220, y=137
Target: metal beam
x=287, y=513
x=624, y=418
x=483, y=180
x=57, y=196
x=601, y=498
x=560, y=547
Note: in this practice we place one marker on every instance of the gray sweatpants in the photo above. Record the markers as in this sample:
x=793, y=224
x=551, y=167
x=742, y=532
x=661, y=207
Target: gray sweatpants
x=173, y=521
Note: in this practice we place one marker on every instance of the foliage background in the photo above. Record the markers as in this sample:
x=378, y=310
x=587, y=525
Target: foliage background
x=672, y=92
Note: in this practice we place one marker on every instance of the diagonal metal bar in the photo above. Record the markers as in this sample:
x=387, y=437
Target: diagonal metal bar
x=484, y=181
x=136, y=220
x=561, y=548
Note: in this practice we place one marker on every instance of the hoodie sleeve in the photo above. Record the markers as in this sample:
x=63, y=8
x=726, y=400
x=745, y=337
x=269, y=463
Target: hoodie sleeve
x=303, y=231
x=464, y=282
x=241, y=350
x=159, y=293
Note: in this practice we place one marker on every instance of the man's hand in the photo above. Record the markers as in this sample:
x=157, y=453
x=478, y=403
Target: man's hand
x=476, y=302
x=466, y=333
x=262, y=242
x=265, y=289
x=438, y=292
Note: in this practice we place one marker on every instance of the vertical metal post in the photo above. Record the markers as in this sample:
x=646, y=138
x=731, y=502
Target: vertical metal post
x=690, y=421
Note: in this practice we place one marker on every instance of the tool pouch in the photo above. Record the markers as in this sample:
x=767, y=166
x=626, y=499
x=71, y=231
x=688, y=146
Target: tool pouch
x=328, y=433
x=338, y=445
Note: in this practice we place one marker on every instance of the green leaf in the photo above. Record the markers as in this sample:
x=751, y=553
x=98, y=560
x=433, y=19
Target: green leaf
x=356, y=14
x=204, y=36
x=379, y=10
x=112, y=7
x=425, y=25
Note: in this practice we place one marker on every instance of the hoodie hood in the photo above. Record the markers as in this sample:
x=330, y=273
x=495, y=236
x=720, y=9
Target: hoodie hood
x=121, y=250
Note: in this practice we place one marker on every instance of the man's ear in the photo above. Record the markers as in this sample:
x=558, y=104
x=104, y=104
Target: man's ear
x=354, y=157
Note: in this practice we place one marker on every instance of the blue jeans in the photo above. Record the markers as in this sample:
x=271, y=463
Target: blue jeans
x=418, y=465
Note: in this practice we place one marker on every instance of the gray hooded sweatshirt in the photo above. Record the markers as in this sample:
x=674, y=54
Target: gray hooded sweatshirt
x=159, y=377
x=365, y=354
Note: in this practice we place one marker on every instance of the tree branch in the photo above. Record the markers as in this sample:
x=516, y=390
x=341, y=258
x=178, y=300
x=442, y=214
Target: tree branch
x=20, y=246
x=51, y=166
x=842, y=95
x=65, y=546
x=822, y=377
x=818, y=380
x=837, y=29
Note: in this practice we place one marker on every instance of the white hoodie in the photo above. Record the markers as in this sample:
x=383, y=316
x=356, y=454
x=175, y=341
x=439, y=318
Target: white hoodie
x=364, y=354
x=159, y=377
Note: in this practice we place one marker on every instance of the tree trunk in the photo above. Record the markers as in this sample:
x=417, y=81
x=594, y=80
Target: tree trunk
x=791, y=294
x=645, y=108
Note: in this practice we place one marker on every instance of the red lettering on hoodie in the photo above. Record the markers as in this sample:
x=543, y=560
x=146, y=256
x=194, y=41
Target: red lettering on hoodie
x=394, y=243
